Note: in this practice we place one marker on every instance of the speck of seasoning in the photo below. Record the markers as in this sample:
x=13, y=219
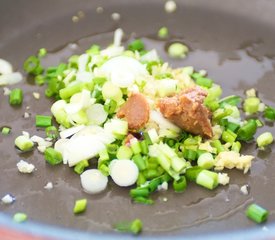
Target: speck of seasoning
x=75, y=19
x=80, y=14
x=115, y=16
x=28, y=107
x=73, y=46
x=99, y=9
x=164, y=199
x=36, y=95
x=6, y=91
x=26, y=115
x=170, y=6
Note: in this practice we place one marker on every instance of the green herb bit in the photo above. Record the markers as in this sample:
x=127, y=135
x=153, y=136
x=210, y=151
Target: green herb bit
x=20, y=217
x=206, y=161
x=257, y=213
x=269, y=113
x=52, y=132
x=247, y=131
x=32, y=65
x=42, y=52
x=6, y=131
x=180, y=185
x=52, y=156
x=80, y=206
x=231, y=100
x=136, y=45
x=264, y=139
x=79, y=167
x=207, y=179
x=251, y=105
x=163, y=32
x=43, y=121
x=16, y=96
x=204, y=82
x=177, y=50
x=134, y=227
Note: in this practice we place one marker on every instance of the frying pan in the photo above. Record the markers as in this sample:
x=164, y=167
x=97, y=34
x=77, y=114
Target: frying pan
x=233, y=40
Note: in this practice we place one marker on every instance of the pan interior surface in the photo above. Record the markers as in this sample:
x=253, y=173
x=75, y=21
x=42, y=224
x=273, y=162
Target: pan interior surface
x=233, y=42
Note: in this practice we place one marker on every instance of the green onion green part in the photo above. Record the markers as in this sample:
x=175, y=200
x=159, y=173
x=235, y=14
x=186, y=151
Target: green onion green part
x=43, y=121
x=247, y=131
x=180, y=185
x=80, y=206
x=256, y=213
x=20, y=217
x=52, y=156
x=177, y=50
x=5, y=131
x=16, y=97
x=163, y=32
x=136, y=45
x=52, y=132
x=269, y=113
x=79, y=167
x=134, y=227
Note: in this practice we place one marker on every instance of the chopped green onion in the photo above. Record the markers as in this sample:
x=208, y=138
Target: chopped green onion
x=177, y=50
x=135, y=146
x=104, y=169
x=104, y=155
x=247, y=131
x=206, y=161
x=189, y=154
x=6, y=130
x=143, y=200
x=218, y=145
x=154, y=183
x=231, y=100
x=151, y=173
x=139, y=161
x=23, y=143
x=69, y=91
x=134, y=227
x=124, y=152
x=16, y=96
x=20, y=217
x=204, y=82
x=141, y=179
x=144, y=147
x=39, y=80
x=192, y=173
x=51, y=132
x=93, y=50
x=136, y=45
x=236, y=146
x=139, y=192
x=264, y=139
x=80, y=206
x=32, y=65
x=43, y=121
x=232, y=126
x=269, y=113
x=163, y=32
x=259, y=123
x=52, y=156
x=207, y=179
x=79, y=167
x=229, y=136
x=256, y=213
x=251, y=105
x=42, y=52
x=180, y=185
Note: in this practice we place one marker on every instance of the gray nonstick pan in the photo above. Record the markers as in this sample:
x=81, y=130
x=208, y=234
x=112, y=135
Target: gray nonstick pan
x=233, y=40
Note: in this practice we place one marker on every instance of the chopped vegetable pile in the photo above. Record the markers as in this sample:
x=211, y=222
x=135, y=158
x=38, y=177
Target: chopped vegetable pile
x=145, y=124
